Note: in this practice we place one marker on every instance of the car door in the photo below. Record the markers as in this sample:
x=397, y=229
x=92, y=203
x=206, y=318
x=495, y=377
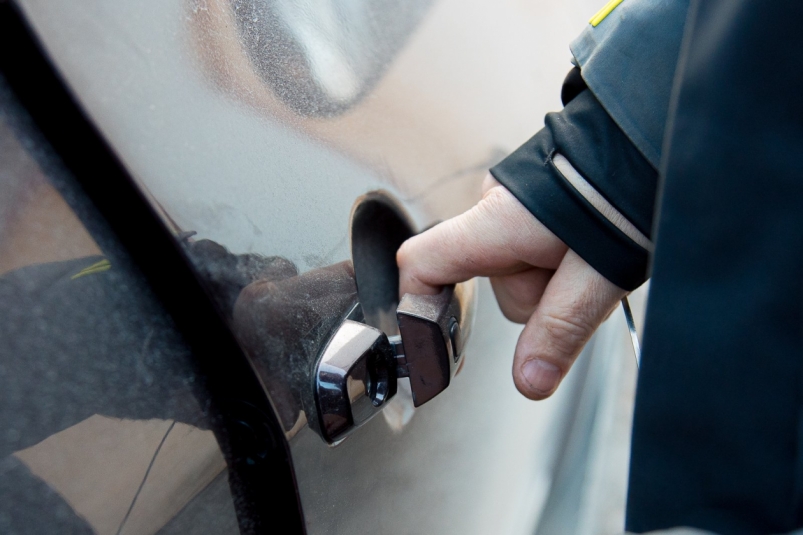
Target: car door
x=284, y=150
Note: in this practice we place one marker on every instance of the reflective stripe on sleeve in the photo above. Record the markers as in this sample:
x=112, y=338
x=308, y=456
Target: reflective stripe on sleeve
x=599, y=202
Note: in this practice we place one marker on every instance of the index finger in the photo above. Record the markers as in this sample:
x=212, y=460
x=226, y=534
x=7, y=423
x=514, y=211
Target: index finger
x=498, y=236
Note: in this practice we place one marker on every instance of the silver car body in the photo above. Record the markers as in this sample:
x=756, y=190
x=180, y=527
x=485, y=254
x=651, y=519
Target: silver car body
x=232, y=136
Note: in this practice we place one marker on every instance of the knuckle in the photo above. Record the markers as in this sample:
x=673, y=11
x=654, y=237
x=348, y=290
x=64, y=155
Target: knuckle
x=496, y=200
x=524, y=231
x=567, y=333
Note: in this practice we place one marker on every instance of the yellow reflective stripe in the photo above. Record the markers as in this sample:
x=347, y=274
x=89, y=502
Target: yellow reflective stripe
x=97, y=267
x=604, y=12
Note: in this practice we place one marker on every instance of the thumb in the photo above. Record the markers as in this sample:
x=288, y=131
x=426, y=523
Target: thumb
x=576, y=301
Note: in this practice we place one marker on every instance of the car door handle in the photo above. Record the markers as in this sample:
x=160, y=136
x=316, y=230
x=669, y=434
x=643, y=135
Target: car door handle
x=359, y=367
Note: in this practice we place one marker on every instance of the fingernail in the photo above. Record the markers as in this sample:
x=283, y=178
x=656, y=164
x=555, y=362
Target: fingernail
x=541, y=376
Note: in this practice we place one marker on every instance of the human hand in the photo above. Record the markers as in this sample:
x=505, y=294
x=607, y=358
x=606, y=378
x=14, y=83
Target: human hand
x=537, y=280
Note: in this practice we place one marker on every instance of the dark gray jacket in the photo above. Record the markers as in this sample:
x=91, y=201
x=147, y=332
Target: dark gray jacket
x=705, y=160
x=591, y=173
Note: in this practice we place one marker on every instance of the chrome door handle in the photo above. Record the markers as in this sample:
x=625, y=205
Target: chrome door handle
x=354, y=378
x=358, y=369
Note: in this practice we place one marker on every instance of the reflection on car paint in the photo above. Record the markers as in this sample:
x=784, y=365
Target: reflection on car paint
x=104, y=427
x=126, y=476
x=312, y=53
x=283, y=326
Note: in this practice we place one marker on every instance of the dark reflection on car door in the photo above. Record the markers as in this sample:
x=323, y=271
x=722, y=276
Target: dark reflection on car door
x=106, y=427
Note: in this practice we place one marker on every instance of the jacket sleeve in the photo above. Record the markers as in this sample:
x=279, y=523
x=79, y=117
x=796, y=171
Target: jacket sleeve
x=590, y=175
x=583, y=178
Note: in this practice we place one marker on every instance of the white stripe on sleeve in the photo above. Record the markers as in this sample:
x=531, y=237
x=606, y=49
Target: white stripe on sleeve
x=599, y=202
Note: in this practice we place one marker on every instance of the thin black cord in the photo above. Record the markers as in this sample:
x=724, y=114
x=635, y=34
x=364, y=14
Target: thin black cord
x=631, y=327
x=145, y=477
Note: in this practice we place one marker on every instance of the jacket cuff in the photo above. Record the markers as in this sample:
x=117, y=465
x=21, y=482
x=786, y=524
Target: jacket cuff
x=531, y=176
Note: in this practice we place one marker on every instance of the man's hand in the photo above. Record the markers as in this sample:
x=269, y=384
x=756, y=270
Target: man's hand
x=537, y=280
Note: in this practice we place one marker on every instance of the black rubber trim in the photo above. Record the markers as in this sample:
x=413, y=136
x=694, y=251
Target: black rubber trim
x=263, y=471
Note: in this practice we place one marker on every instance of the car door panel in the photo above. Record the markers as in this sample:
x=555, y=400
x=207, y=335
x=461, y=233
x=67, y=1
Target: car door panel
x=251, y=147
